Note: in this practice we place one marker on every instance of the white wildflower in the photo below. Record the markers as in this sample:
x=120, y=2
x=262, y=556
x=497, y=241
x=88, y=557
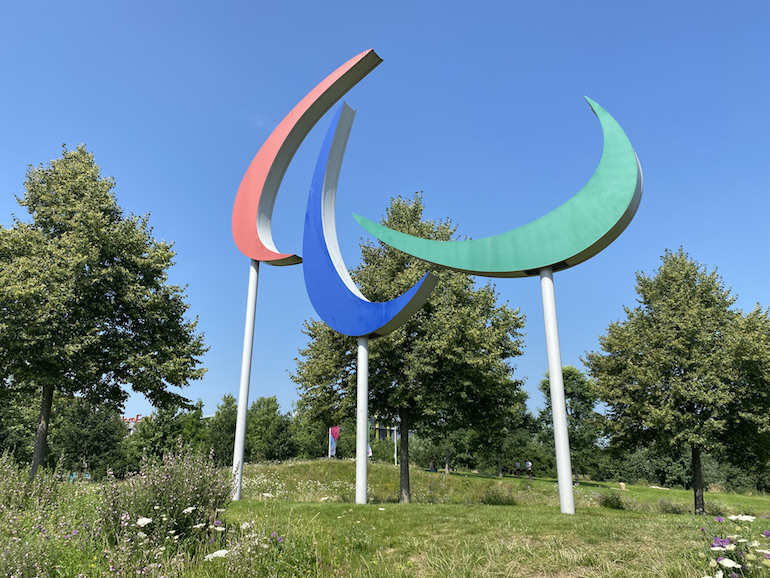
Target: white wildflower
x=198, y=526
x=741, y=518
x=728, y=563
x=142, y=521
x=141, y=535
x=189, y=510
x=217, y=554
x=156, y=507
x=381, y=509
x=246, y=525
x=266, y=495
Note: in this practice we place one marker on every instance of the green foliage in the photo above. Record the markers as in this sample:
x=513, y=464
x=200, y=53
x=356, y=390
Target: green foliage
x=85, y=303
x=382, y=450
x=221, y=431
x=611, y=500
x=87, y=438
x=685, y=369
x=18, y=418
x=268, y=432
x=160, y=433
x=311, y=436
x=174, y=494
x=584, y=423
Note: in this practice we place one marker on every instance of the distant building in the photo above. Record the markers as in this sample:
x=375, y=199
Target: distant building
x=131, y=422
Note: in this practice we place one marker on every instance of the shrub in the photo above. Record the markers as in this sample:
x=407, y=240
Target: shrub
x=667, y=507
x=498, y=496
x=170, y=497
x=611, y=500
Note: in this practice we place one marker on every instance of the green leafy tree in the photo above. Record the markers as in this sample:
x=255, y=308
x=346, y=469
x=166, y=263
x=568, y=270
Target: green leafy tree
x=268, y=432
x=165, y=431
x=311, y=437
x=451, y=359
x=221, y=431
x=87, y=438
x=192, y=429
x=85, y=303
x=686, y=369
x=17, y=424
x=584, y=423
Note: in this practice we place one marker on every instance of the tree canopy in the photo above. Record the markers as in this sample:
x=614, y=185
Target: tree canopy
x=85, y=303
x=449, y=363
x=685, y=368
x=583, y=421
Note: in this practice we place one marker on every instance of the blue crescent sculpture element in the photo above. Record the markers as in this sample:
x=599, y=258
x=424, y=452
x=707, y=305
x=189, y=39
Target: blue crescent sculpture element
x=332, y=291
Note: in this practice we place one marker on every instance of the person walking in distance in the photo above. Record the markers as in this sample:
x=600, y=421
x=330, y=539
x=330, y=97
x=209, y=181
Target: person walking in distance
x=528, y=465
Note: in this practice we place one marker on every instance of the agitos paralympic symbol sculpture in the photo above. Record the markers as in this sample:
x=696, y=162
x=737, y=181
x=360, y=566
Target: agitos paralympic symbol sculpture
x=568, y=235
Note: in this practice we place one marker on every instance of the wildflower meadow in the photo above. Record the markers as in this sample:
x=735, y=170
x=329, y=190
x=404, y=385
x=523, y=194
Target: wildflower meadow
x=174, y=518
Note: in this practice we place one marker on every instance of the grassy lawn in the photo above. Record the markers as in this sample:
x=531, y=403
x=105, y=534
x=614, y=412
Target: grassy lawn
x=455, y=540
x=455, y=528
x=298, y=519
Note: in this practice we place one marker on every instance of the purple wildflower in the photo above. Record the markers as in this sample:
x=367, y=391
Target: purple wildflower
x=719, y=519
x=766, y=533
x=217, y=523
x=273, y=535
x=280, y=539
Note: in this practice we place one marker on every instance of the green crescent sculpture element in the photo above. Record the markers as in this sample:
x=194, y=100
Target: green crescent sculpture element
x=568, y=235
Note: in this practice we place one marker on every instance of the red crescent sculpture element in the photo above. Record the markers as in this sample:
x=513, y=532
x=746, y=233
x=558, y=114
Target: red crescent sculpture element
x=253, y=208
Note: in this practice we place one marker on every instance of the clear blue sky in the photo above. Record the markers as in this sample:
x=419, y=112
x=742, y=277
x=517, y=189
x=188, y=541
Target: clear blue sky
x=481, y=108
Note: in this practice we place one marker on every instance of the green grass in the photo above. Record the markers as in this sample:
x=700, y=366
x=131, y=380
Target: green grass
x=451, y=530
x=299, y=519
x=455, y=540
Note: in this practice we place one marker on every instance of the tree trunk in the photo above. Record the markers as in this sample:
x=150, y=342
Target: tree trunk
x=577, y=477
x=41, y=437
x=446, y=460
x=499, y=464
x=697, y=481
x=406, y=492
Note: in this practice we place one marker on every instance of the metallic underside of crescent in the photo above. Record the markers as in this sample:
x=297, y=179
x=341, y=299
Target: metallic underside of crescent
x=254, y=202
x=568, y=235
x=333, y=293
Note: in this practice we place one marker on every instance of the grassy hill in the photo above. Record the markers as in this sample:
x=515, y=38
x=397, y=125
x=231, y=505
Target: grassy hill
x=466, y=524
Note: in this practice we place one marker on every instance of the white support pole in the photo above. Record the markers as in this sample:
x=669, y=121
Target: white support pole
x=395, y=446
x=558, y=404
x=362, y=419
x=330, y=442
x=243, y=395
